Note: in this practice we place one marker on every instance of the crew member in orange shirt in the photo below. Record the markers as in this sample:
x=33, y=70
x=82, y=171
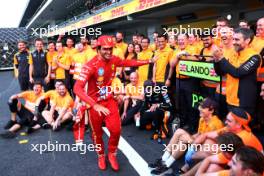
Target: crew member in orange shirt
x=50, y=55
x=25, y=112
x=120, y=42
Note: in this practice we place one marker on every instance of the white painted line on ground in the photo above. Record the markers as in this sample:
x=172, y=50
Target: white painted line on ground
x=138, y=163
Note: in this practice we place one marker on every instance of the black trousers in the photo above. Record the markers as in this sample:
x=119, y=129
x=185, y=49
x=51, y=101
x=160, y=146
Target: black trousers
x=24, y=83
x=155, y=117
x=131, y=113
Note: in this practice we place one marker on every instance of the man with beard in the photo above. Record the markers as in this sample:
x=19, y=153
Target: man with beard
x=120, y=42
x=99, y=73
x=21, y=62
x=60, y=110
x=241, y=81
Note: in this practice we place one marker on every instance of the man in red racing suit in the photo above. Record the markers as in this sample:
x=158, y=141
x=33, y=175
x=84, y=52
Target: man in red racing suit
x=99, y=73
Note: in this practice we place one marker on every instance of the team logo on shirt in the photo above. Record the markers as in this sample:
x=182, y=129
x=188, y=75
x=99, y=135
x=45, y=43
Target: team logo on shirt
x=113, y=67
x=100, y=71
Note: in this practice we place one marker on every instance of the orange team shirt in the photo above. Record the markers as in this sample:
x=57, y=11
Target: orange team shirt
x=122, y=46
x=62, y=102
x=230, y=54
x=257, y=44
x=90, y=53
x=51, y=94
x=117, y=86
x=164, y=57
x=119, y=53
x=78, y=60
x=50, y=56
x=63, y=59
x=248, y=138
x=144, y=69
x=30, y=99
x=213, y=124
x=70, y=51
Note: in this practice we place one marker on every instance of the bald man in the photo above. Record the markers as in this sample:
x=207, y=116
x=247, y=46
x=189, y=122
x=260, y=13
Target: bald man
x=135, y=95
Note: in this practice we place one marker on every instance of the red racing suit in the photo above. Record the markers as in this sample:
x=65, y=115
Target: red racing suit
x=99, y=74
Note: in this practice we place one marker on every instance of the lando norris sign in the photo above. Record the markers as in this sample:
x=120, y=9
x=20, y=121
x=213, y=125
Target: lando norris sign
x=202, y=70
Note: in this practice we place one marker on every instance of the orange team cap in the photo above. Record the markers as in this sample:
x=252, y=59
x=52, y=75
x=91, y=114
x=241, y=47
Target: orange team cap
x=105, y=41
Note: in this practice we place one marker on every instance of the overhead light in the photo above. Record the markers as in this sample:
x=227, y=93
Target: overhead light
x=229, y=17
x=129, y=18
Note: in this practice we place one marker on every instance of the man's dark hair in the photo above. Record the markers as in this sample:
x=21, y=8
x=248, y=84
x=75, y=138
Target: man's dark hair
x=120, y=33
x=51, y=42
x=38, y=40
x=37, y=83
x=223, y=19
x=207, y=33
x=228, y=139
x=22, y=41
x=251, y=159
x=93, y=38
x=243, y=21
x=146, y=38
x=247, y=33
x=210, y=104
x=162, y=36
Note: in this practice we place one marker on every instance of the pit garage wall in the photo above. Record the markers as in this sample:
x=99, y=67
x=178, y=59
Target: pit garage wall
x=8, y=45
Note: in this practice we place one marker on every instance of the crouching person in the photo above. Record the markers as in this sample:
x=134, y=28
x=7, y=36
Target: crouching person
x=25, y=112
x=60, y=110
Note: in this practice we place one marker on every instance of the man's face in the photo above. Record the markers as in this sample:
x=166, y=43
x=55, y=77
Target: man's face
x=155, y=35
x=21, y=46
x=236, y=167
x=139, y=39
x=182, y=41
x=59, y=47
x=231, y=124
x=207, y=41
x=243, y=25
x=172, y=40
x=37, y=89
x=51, y=47
x=62, y=90
x=192, y=39
x=262, y=91
x=69, y=43
x=226, y=34
x=93, y=44
x=84, y=41
x=133, y=79
x=161, y=43
x=220, y=24
x=239, y=42
x=106, y=52
x=119, y=37
x=39, y=45
x=144, y=44
x=260, y=27
x=205, y=113
x=135, y=39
